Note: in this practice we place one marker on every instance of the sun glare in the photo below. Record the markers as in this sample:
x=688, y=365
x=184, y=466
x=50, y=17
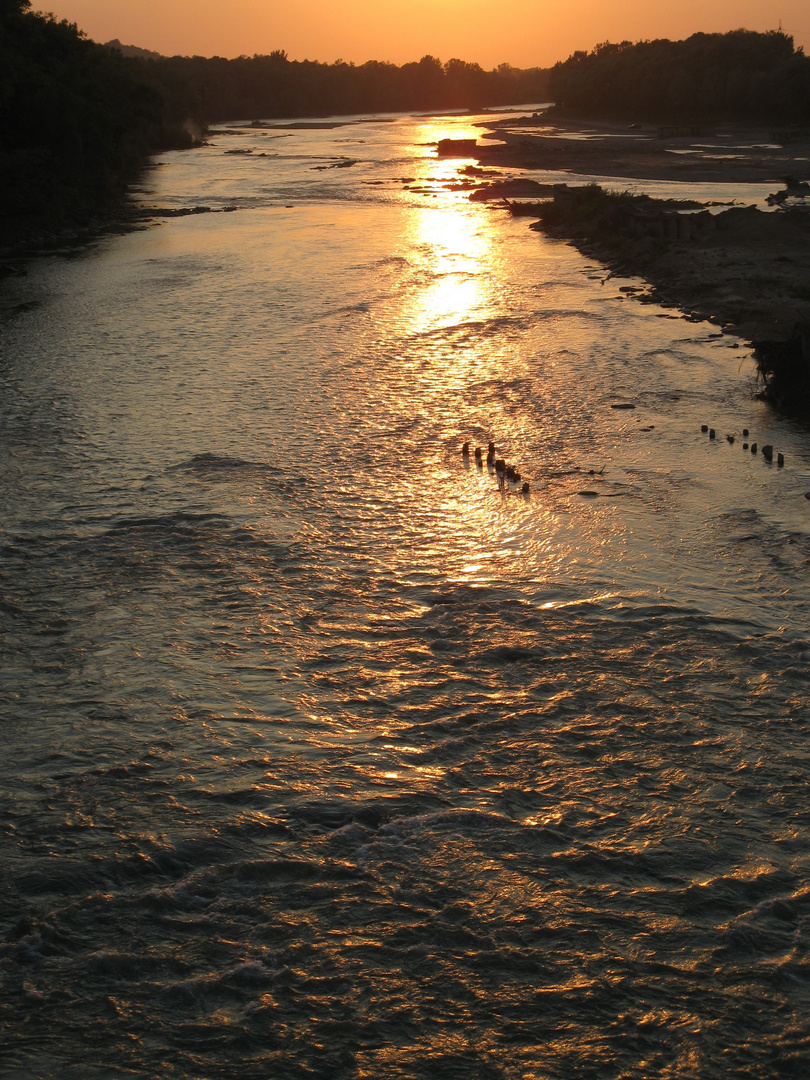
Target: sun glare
x=454, y=238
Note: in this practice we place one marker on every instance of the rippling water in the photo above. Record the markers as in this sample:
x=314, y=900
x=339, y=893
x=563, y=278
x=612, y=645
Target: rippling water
x=323, y=756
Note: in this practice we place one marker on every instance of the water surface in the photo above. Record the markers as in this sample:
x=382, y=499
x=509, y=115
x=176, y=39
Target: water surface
x=323, y=755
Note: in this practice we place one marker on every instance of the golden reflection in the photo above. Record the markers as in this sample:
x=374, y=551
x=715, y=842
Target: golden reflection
x=454, y=241
x=444, y=127
x=453, y=235
x=459, y=343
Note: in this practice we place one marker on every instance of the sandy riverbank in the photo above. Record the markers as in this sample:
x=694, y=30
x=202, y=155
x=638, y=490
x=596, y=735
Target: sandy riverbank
x=750, y=272
x=746, y=269
x=726, y=153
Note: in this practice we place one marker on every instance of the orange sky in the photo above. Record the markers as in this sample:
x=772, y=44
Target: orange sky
x=525, y=33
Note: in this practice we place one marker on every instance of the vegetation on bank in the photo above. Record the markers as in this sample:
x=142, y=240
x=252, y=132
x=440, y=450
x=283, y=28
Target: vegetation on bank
x=214, y=89
x=76, y=123
x=591, y=212
x=742, y=267
x=739, y=76
x=784, y=367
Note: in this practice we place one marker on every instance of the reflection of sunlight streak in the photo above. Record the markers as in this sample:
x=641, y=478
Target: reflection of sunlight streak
x=475, y=537
x=454, y=239
x=447, y=127
x=454, y=246
x=460, y=527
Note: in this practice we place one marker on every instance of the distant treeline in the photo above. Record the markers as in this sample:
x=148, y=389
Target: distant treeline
x=742, y=75
x=211, y=90
x=76, y=122
x=79, y=119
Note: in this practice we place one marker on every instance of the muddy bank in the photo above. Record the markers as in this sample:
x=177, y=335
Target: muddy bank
x=745, y=269
x=726, y=153
x=742, y=267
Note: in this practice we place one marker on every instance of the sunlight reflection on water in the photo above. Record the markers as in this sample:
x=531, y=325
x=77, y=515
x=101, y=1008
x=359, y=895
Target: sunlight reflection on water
x=323, y=754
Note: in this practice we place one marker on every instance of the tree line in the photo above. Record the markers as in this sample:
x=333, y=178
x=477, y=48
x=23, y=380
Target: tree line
x=212, y=89
x=76, y=122
x=79, y=119
x=738, y=76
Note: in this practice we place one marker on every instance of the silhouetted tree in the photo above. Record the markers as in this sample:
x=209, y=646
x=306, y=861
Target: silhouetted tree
x=741, y=75
x=212, y=90
x=76, y=121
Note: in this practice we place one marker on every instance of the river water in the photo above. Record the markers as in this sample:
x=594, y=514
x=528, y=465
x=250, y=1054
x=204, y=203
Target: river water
x=324, y=756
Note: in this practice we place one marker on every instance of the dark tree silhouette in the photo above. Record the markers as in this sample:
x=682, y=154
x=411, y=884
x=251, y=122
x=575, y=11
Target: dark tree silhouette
x=211, y=90
x=76, y=122
x=78, y=119
x=741, y=75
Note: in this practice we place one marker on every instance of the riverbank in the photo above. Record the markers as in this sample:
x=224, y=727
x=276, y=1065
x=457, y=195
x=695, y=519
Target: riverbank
x=741, y=267
x=125, y=218
x=716, y=154
x=745, y=268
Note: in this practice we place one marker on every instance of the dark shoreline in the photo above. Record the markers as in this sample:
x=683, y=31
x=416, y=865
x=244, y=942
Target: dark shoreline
x=723, y=153
x=685, y=277
x=117, y=221
x=743, y=268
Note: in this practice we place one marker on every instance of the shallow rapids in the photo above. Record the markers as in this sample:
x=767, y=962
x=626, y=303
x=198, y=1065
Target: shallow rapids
x=323, y=755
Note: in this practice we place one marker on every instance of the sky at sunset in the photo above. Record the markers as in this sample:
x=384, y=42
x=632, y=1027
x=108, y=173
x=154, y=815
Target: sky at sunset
x=525, y=33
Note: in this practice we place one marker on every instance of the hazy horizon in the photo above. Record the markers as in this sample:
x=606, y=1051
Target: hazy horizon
x=522, y=33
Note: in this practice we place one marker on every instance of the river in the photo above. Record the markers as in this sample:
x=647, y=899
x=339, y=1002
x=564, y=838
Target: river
x=324, y=755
